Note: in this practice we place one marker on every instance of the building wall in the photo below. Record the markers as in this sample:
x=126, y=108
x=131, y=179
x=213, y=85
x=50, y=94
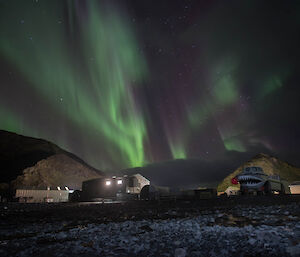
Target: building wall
x=97, y=188
x=38, y=196
x=141, y=182
x=295, y=189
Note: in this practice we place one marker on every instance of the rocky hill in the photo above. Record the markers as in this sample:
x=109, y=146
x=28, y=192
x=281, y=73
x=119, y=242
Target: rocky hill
x=57, y=170
x=38, y=162
x=270, y=164
x=19, y=152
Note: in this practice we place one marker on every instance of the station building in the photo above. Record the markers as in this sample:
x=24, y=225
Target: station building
x=60, y=194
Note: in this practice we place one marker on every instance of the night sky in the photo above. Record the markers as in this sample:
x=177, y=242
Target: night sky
x=132, y=83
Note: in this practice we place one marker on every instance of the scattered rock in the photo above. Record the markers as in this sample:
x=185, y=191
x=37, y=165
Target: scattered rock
x=294, y=250
x=146, y=228
x=180, y=252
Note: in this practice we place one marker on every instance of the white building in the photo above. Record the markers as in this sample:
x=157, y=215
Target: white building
x=295, y=187
x=42, y=196
x=136, y=183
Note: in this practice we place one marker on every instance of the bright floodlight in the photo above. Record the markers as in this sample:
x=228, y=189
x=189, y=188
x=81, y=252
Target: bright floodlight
x=108, y=182
x=119, y=182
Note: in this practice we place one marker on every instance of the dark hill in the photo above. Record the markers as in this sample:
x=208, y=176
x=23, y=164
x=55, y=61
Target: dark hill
x=270, y=164
x=19, y=152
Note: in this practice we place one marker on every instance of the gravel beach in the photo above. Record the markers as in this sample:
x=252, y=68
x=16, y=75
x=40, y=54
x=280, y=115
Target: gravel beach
x=241, y=226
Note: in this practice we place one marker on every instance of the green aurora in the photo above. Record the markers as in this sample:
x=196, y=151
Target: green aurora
x=100, y=99
x=108, y=102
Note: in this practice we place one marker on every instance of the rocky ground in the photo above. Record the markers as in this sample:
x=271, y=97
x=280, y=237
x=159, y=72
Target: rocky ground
x=239, y=226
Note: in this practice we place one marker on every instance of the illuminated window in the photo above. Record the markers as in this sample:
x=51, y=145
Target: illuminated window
x=108, y=182
x=120, y=182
